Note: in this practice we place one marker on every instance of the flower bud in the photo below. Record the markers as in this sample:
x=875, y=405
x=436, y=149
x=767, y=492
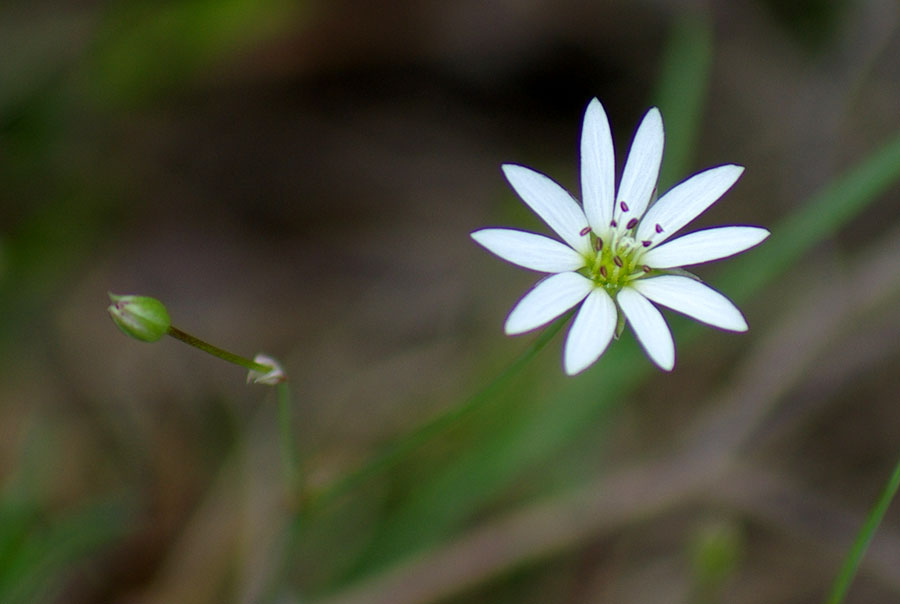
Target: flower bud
x=274, y=376
x=140, y=317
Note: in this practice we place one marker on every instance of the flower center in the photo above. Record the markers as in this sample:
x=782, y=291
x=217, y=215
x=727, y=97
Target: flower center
x=615, y=258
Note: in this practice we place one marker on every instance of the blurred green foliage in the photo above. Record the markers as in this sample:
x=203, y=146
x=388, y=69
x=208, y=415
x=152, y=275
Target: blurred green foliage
x=146, y=49
x=69, y=199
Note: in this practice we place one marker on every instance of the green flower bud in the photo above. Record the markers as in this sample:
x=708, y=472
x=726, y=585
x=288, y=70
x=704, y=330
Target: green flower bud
x=140, y=317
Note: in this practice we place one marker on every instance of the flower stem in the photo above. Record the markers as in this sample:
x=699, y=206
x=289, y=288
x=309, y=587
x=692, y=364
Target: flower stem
x=396, y=451
x=290, y=458
x=854, y=558
x=414, y=439
x=216, y=351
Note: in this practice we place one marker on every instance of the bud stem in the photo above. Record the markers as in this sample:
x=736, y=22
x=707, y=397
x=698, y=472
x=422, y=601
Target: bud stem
x=217, y=352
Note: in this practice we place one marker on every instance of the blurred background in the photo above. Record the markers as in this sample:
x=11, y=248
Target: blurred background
x=301, y=178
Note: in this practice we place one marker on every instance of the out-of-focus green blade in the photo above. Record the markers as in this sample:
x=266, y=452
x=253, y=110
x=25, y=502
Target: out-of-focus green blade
x=682, y=91
x=144, y=48
x=816, y=220
x=43, y=555
x=861, y=544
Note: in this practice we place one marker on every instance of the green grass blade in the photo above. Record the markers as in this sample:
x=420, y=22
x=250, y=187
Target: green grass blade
x=290, y=452
x=681, y=93
x=409, y=444
x=145, y=48
x=821, y=217
x=45, y=555
x=854, y=558
x=412, y=440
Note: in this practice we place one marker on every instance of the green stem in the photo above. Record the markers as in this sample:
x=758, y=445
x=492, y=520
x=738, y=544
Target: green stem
x=395, y=451
x=851, y=564
x=290, y=459
x=217, y=352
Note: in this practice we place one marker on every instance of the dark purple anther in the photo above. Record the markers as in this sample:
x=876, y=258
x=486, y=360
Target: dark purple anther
x=618, y=262
x=598, y=244
x=646, y=243
x=658, y=228
x=624, y=206
x=603, y=271
x=631, y=223
x=585, y=231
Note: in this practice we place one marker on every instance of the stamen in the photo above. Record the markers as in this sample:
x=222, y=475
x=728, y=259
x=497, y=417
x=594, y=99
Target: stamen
x=585, y=231
x=631, y=223
x=598, y=244
x=646, y=268
x=624, y=206
x=646, y=243
x=612, y=223
x=603, y=272
x=618, y=261
x=659, y=229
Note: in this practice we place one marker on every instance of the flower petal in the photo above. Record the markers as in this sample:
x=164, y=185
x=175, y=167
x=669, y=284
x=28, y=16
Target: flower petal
x=591, y=332
x=704, y=246
x=547, y=300
x=693, y=299
x=274, y=376
x=552, y=203
x=530, y=250
x=649, y=326
x=642, y=167
x=598, y=167
x=686, y=201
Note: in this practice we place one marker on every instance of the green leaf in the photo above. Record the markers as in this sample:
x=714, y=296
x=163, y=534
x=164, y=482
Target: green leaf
x=861, y=544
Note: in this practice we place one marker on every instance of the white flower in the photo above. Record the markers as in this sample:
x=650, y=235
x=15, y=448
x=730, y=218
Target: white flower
x=617, y=257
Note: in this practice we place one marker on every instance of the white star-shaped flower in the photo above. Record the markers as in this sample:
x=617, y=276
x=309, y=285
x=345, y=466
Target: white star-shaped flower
x=618, y=256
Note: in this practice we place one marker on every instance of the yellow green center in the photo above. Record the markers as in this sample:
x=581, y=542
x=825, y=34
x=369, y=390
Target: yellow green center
x=614, y=260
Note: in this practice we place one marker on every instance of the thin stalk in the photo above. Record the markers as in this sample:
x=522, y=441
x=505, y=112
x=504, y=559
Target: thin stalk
x=218, y=352
x=851, y=564
x=409, y=442
x=290, y=458
x=394, y=452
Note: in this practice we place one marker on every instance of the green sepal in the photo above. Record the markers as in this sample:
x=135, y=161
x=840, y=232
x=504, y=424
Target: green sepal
x=682, y=273
x=620, y=324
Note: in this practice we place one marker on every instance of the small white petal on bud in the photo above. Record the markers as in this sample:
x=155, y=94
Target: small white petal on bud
x=275, y=376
